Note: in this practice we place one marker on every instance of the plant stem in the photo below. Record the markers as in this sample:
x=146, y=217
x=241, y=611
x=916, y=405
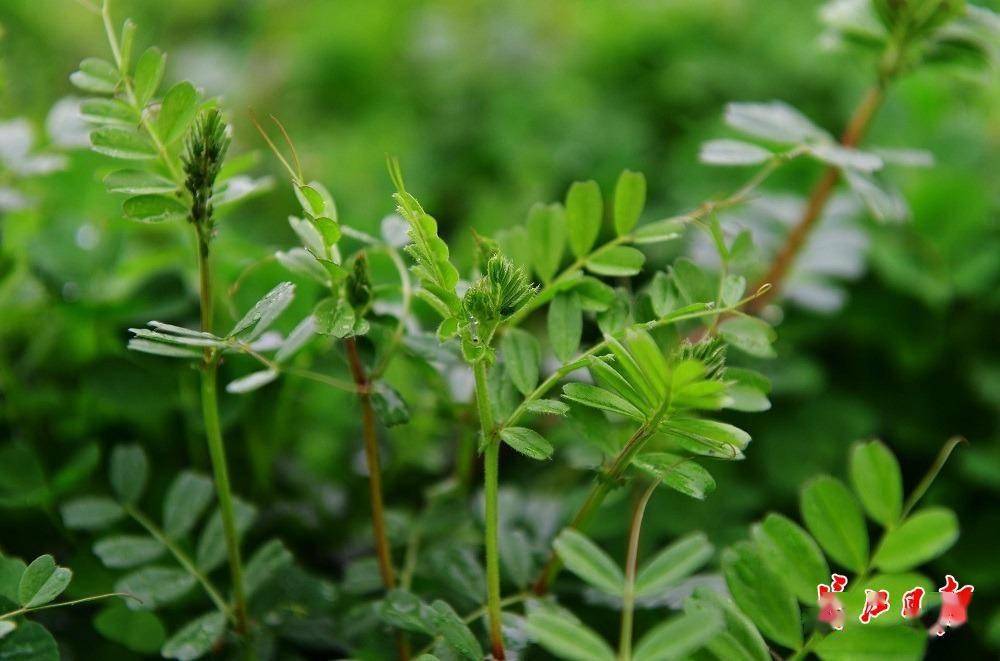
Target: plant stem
x=213, y=435
x=631, y=560
x=183, y=559
x=382, y=549
x=374, y=467
x=814, y=639
x=32, y=609
x=491, y=479
x=820, y=195
x=932, y=473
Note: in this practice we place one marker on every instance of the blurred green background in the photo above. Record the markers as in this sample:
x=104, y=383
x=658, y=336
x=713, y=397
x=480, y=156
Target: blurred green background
x=492, y=106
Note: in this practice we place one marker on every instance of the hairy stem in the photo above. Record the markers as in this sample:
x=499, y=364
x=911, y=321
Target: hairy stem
x=820, y=195
x=74, y=602
x=631, y=561
x=491, y=479
x=183, y=559
x=213, y=435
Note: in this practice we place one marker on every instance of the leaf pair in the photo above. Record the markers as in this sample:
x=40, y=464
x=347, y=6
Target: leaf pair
x=664, y=570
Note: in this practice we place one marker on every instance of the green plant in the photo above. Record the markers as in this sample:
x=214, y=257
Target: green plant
x=650, y=363
x=27, y=589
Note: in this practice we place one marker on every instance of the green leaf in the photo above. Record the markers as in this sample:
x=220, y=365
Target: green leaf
x=252, y=381
x=588, y=561
x=154, y=208
x=455, y=632
x=679, y=636
x=706, y=437
x=188, y=496
x=124, y=551
x=732, y=152
x=832, y=515
x=732, y=289
x=22, y=477
x=547, y=236
x=792, y=554
x=658, y=231
x=595, y=296
x=522, y=356
x=599, y=398
x=566, y=637
x=139, y=631
x=155, y=586
x=885, y=204
x=846, y=157
x=148, y=74
x=96, y=75
x=404, y=610
x=630, y=199
x=196, y=638
x=137, y=182
x=121, y=143
x=679, y=473
x=692, y=282
x=302, y=263
x=877, y=481
x=177, y=111
x=42, y=582
x=775, y=121
x=335, y=317
x=921, y=537
x=901, y=643
x=29, y=642
x=264, y=564
x=750, y=335
x=549, y=406
x=264, y=312
x=11, y=570
x=212, y=544
x=91, y=513
x=760, y=594
x=741, y=640
x=673, y=564
x=389, y=405
x=108, y=111
x=565, y=325
x=584, y=210
x=128, y=471
x=527, y=441
x=617, y=261
x=748, y=391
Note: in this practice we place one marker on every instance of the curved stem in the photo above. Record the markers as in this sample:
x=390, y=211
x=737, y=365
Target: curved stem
x=631, y=561
x=491, y=479
x=602, y=486
x=182, y=559
x=932, y=473
x=22, y=611
x=820, y=195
